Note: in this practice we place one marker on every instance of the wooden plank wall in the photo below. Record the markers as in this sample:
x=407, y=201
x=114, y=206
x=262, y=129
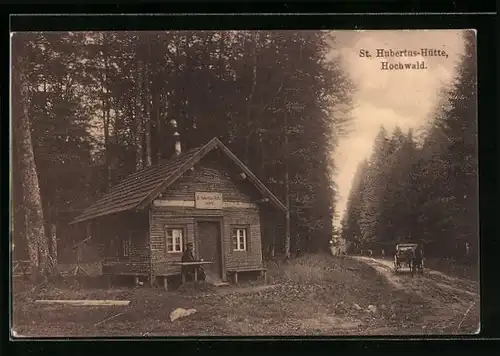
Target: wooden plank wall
x=252, y=257
x=161, y=219
x=210, y=177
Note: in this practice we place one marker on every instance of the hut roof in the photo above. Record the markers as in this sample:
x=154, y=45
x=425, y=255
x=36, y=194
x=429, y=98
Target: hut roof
x=139, y=189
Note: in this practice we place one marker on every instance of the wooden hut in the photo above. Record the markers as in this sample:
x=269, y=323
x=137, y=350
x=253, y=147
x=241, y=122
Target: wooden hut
x=205, y=196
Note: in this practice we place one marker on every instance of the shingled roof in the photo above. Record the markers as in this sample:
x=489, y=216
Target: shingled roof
x=139, y=189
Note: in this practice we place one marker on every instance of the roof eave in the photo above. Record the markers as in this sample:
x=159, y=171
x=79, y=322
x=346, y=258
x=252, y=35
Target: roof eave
x=89, y=218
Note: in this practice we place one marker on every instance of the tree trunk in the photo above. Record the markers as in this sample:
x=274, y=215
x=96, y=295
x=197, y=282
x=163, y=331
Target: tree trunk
x=262, y=167
x=156, y=119
x=105, y=121
x=31, y=243
x=130, y=112
x=53, y=247
x=250, y=99
x=248, y=137
x=157, y=78
x=147, y=115
x=116, y=136
x=35, y=232
x=287, y=223
x=138, y=119
x=287, y=184
x=106, y=111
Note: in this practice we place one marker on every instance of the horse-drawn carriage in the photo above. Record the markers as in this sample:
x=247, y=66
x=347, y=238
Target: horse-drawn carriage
x=409, y=255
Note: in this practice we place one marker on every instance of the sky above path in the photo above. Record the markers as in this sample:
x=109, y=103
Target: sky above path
x=407, y=98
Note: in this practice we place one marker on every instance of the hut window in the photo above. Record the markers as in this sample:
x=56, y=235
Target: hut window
x=127, y=244
x=174, y=240
x=239, y=239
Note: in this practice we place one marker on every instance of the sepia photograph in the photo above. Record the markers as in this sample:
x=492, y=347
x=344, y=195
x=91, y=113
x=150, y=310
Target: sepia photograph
x=244, y=183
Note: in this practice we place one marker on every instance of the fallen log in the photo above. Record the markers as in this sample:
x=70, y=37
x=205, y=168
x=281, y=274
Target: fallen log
x=83, y=302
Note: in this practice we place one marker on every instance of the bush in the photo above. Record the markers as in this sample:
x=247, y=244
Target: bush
x=321, y=269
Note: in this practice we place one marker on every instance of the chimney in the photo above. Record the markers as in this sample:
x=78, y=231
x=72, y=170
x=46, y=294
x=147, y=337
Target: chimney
x=177, y=138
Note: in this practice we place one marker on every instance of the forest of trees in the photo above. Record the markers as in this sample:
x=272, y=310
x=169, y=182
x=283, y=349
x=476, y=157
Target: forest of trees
x=423, y=190
x=90, y=108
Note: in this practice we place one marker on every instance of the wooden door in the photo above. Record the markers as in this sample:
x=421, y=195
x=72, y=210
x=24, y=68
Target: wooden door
x=209, y=246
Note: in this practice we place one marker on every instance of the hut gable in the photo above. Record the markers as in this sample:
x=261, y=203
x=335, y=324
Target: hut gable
x=138, y=190
x=214, y=174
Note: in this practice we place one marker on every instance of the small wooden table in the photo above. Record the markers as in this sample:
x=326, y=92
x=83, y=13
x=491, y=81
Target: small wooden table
x=191, y=263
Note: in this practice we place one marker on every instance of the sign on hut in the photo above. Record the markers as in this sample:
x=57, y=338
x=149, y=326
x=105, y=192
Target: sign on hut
x=208, y=200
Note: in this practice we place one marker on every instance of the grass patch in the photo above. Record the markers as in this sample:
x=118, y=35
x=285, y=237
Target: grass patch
x=454, y=268
x=310, y=295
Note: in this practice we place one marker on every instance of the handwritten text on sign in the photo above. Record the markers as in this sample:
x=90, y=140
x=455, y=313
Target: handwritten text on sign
x=208, y=200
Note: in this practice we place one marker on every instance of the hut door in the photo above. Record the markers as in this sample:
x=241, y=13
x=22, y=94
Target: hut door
x=209, y=245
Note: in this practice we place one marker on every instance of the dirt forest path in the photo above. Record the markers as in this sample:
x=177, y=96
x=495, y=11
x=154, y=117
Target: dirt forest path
x=451, y=299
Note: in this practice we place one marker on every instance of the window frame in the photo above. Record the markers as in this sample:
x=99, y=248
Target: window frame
x=182, y=243
x=127, y=245
x=238, y=229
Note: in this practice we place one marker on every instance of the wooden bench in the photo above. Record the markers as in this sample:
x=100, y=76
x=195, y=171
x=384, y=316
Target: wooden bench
x=235, y=271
